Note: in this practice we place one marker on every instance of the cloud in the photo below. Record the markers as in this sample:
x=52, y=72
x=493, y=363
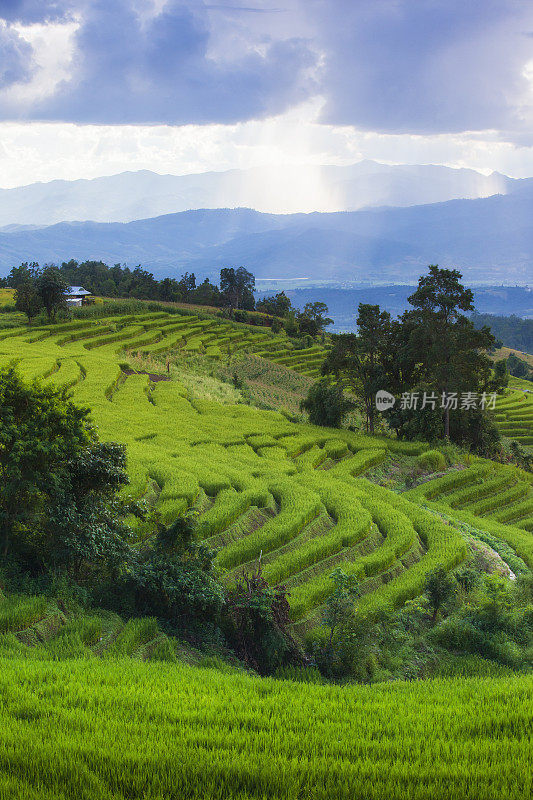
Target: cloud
x=426, y=66
x=132, y=67
x=16, y=58
x=390, y=66
x=28, y=12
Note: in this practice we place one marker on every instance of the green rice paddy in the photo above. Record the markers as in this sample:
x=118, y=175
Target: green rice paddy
x=260, y=484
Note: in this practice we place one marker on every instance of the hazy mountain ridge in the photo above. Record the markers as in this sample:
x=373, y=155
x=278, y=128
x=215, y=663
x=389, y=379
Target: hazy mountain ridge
x=139, y=195
x=490, y=240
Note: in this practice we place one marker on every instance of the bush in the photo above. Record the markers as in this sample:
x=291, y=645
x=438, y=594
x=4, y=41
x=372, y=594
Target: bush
x=431, y=461
x=258, y=625
x=326, y=404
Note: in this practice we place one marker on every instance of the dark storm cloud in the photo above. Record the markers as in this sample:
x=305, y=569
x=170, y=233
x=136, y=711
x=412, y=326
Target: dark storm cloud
x=130, y=68
x=414, y=66
x=425, y=66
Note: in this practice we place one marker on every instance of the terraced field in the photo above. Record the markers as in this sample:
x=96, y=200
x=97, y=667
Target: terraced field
x=514, y=413
x=261, y=484
x=496, y=498
x=37, y=628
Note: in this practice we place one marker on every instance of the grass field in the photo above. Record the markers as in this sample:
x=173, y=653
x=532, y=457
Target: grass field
x=6, y=297
x=505, y=352
x=97, y=730
x=261, y=484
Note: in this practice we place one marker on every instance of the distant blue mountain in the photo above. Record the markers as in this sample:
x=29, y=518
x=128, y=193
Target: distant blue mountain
x=143, y=194
x=489, y=239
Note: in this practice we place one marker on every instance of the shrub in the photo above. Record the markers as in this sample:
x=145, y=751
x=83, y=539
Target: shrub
x=326, y=404
x=431, y=461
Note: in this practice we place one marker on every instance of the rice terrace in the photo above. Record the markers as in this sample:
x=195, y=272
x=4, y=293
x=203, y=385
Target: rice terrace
x=264, y=486
x=266, y=400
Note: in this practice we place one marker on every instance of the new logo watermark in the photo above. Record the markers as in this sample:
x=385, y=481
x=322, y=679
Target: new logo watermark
x=384, y=400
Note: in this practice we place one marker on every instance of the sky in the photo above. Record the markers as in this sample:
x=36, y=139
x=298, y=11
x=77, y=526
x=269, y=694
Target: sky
x=95, y=87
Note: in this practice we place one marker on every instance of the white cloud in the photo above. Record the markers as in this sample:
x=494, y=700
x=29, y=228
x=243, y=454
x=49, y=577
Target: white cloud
x=46, y=151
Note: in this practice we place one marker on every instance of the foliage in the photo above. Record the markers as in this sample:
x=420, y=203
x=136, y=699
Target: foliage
x=236, y=287
x=259, y=619
x=51, y=287
x=345, y=650
x=173, y=579
x=28, y=300
x=431, y=461
x=312, y=320
x=326, y=404
x=278, y=305
x=356, y=360
x=41, y=430
x=512, y=330
x=519, y=368
x=439, y=588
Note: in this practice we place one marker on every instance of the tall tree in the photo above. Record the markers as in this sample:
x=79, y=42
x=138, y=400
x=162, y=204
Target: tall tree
x=450, y=350
x=51, y=287
x=27, y=300
x=312, y=319
x=186, y=285
x=237, y=286
x=356, y=359
x=25, y=273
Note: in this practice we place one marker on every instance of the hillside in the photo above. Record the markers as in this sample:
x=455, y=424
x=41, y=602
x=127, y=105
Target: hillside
x=260, y=482
x=139, y=712
x=490, y=240
x=138, y=195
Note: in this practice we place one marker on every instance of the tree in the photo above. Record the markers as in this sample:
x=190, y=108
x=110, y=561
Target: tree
x=348, y=632
x=51, y=287
x=83, y=530
x=326, y=405
x=311, y=320
x=237, y=287
x=453, y=350
x=278, y=305
x=518, y=368
x=186, y=285
x=28, y=300
x=40, y=431
x=260, y=619
x=356, y=359
x=169, y=290
x=174, y=578
x=26, y=273
x=206, y=294
x=500, y=379
x=439, y=587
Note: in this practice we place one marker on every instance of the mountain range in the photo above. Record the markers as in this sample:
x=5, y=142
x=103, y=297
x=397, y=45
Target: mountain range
x=144, y=194
x=489, y=239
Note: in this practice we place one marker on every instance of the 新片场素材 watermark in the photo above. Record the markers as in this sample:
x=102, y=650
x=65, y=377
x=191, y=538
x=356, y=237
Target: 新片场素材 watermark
x=454, y=401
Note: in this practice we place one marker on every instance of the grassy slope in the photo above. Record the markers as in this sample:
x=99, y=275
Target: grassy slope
x=505, y=352
x=107, y=728
x=183, y=448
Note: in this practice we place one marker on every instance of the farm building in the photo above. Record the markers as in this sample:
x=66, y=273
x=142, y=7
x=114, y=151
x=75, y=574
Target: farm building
x=76, y=296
